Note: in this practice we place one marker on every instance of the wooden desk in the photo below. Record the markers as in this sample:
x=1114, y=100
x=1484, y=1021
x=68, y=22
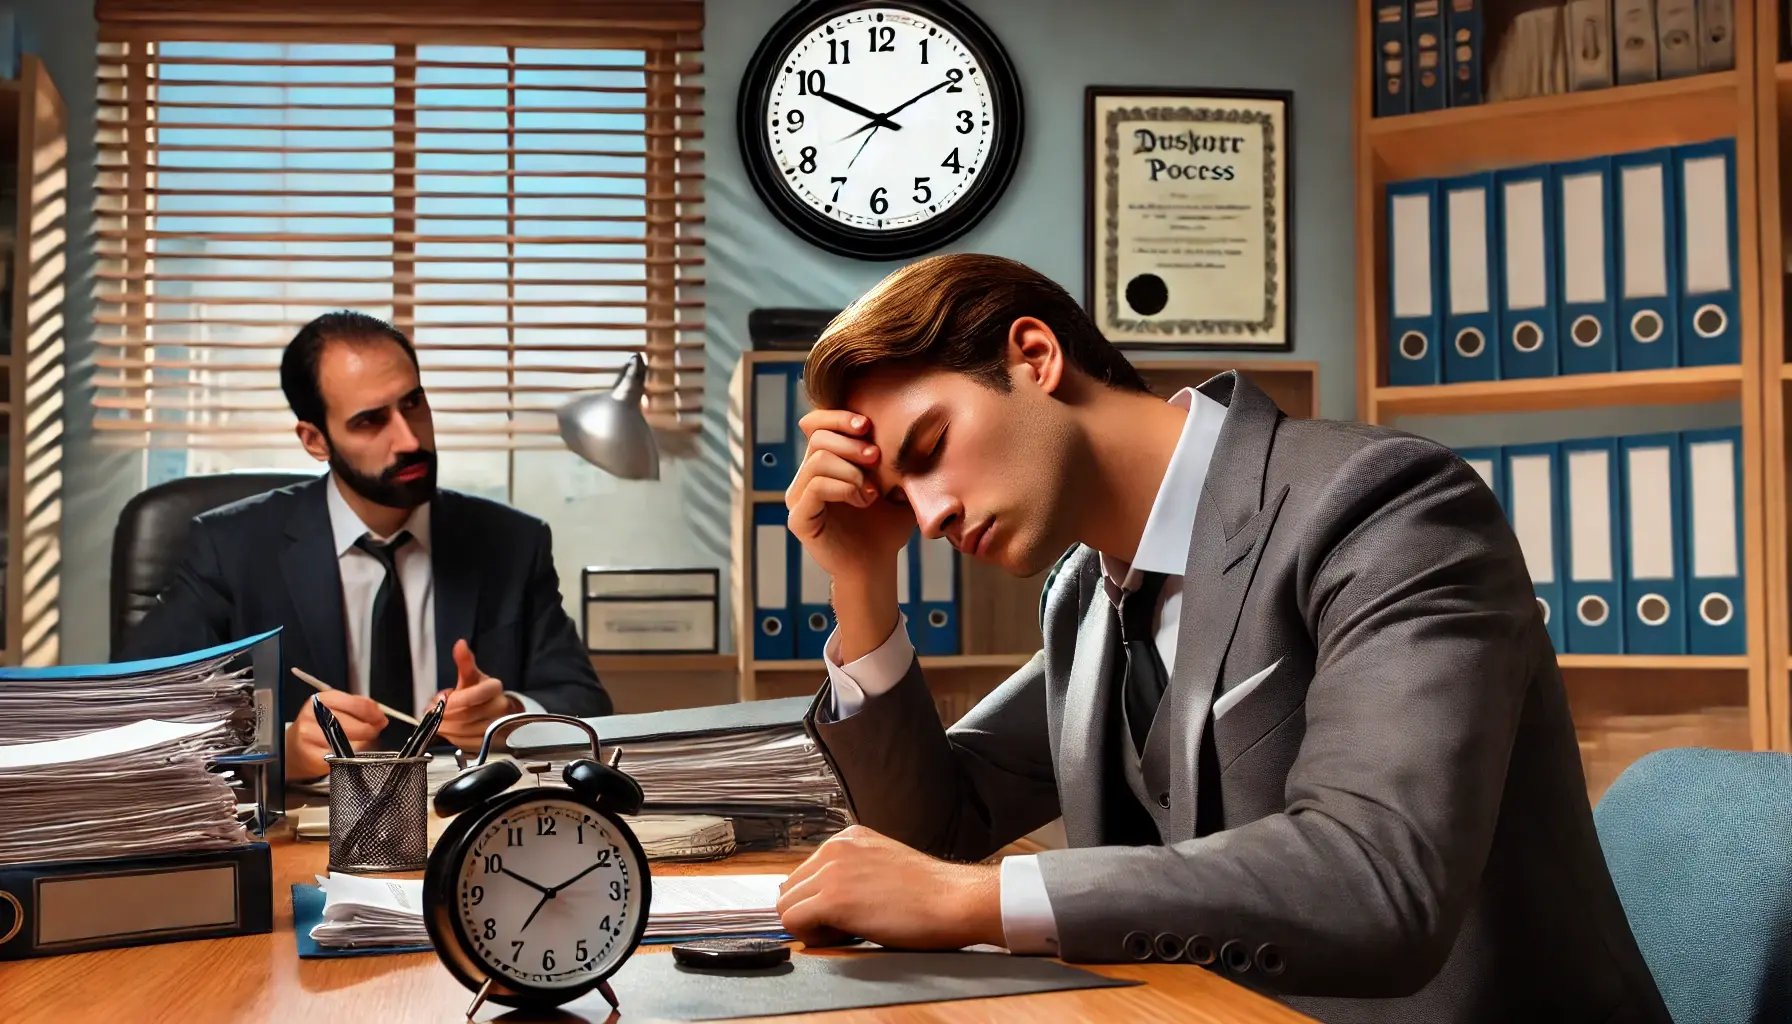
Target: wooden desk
x=260, y=978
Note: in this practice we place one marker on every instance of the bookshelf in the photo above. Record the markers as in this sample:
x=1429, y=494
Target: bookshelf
x=1773, y=131
x=34, y=163
x=1624, y=705
x=998, y=614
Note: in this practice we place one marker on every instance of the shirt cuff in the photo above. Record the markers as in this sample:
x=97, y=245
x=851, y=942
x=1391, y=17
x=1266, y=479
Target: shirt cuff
x=1028, y=925
x=873, y=675
x=531, y=706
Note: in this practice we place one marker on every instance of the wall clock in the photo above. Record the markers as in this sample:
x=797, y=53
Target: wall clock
x=880, y=129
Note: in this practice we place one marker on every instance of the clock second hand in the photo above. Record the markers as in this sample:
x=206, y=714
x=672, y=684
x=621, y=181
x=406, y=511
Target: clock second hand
x=879, y=119
x=862, y=145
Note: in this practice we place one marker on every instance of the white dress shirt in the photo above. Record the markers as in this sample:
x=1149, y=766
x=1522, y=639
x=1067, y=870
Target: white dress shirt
x=362, y=574
x=1028, y=924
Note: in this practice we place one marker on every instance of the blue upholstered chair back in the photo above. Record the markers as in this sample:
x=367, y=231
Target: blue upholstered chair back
x=1699, y=843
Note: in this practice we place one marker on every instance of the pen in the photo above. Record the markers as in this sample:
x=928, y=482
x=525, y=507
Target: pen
x=420, y=739
x=333, y=734
x=320, y=686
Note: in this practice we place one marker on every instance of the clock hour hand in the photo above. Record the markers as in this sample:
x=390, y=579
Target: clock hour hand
x=546, y=896
x=574, y=878
x=893, y=111
x=878, y=120
x=525, y=881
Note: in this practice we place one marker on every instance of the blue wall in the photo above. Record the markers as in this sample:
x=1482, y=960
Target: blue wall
x=1059, y=47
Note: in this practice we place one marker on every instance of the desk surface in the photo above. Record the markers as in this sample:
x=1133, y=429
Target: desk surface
x=260, y=978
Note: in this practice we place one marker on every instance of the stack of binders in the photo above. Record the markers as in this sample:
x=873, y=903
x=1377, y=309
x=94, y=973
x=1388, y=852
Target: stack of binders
x=1625, y=262
x=792, y=610
x=1428, y=54
x=1634, y=544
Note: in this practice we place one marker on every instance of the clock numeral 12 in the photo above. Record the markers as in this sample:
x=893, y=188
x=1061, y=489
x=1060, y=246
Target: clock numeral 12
x=545, y=827
x=883, y=40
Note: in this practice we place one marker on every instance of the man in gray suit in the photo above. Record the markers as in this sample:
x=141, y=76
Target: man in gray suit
x=1295, y=705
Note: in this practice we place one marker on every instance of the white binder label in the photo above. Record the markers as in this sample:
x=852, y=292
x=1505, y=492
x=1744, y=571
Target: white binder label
x=1525, y=286
x=814, y=585
x=1468, y=251
x=770, y=586
x=902, y=589
x=1583, y=238
x=1713, y=486
x=1590, y=519
x=1645, y=233
x=937, y=583
x=1706, y=225
x=1483, y=467
x=770, y=396
x=1532, y=508
x=1412, y=255
x=1651, y=515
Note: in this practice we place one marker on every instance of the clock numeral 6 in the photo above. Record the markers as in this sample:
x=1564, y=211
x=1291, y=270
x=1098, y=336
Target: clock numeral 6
x=547, y=960
x=964, y=122
x=922, y=192
x=794, y=121
x=811, y=83
x=616, y=890
x=580, y=953
x=807, y=166
x=491, y=929
x=879, y=204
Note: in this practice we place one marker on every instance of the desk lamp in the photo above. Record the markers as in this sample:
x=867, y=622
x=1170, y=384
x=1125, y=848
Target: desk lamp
x=608, y=429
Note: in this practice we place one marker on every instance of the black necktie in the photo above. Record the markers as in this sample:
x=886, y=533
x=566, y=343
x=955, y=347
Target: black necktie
x=389, y=662
x=1144, y=677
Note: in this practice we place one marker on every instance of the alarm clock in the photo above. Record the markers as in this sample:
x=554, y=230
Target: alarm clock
x=880, y=129
x=535, y=895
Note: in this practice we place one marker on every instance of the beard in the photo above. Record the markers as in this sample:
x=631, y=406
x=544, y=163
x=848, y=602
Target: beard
x=385, y=489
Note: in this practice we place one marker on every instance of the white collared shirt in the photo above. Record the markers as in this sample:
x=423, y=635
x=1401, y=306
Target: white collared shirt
x=1027, y=920
x=362, y=574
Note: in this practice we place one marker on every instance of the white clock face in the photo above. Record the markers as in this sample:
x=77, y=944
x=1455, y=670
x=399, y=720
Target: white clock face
x=880, y=119
x=549, y=894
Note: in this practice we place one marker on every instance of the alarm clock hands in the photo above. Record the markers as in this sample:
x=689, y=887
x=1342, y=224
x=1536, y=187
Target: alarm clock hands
x=547, y=893
x=877, y=120
x=533, y=885
x=953, y=77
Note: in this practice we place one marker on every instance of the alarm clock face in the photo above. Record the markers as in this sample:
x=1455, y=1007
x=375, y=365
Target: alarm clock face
x=550, y=894
x=881, y=129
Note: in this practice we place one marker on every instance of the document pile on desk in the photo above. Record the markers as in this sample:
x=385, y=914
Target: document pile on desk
x=370, y=912
x=49, y=704
x=686, y=907
x=129, y=791
x=684, y=836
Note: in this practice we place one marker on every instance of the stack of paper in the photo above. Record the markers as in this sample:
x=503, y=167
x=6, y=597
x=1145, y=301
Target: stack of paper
x=691, y=906
x=684, y=836
x=130, y=791
x=49, y=704
x=370, y=912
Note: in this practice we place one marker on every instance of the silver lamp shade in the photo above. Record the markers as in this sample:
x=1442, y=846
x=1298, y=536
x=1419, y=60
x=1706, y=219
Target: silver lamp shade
x=608, y=429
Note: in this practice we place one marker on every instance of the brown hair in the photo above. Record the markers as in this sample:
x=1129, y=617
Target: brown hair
x=953, y=312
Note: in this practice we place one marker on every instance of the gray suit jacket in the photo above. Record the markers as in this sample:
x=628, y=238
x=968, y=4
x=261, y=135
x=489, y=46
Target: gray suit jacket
x=1403, y=827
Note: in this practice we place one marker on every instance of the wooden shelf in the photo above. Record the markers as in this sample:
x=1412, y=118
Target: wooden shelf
x=665, y=662
x=1684, y=386
x=1570, y=126
x=1655, y=663
x=942, y=663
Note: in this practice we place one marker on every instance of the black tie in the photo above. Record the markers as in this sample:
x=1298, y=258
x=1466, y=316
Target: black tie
x=389, y=663
x=1143, y=668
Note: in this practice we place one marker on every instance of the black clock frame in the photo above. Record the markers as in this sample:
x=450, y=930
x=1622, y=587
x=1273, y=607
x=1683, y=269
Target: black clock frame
x=447, y=933
x=818, y=229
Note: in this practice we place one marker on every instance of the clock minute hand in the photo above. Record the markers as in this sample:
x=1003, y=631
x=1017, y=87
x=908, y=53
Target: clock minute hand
x=533, y=885
x=893, y=111
x=881, y=120
x=575, y=878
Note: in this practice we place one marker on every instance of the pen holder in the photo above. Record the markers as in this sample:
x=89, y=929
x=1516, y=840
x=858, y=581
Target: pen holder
x=379, y=817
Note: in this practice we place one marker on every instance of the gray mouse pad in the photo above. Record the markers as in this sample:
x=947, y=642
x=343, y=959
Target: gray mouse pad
x=656, y=986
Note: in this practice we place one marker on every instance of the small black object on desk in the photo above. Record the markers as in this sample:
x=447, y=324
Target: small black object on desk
x=731, y=954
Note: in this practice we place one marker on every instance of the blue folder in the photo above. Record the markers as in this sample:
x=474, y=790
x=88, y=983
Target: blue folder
x=774, y=614
x=1415, y=262
x=1471, y=285
x=1705, y=179
x=1648, y=216
x=1527, y=247
x=774, y=466
x=1712, y=461
x=815, y=610
x=935, y=575
x=1654, y=562
x=1532, y=504
x=1592, y=551
x=308, y=913
x=1464, y=41
x=1491, y=464
x=1425, y=47
x=1586, y=270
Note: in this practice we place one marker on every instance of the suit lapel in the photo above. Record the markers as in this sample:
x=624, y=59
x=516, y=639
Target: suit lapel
x=1088, y=754
x=1230, y=528
x=314, y=583
x=456, y=584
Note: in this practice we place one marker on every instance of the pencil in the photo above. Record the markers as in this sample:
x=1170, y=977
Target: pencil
x=320, y=686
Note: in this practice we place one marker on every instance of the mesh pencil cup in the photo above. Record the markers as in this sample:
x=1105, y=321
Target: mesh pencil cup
x=379, y=816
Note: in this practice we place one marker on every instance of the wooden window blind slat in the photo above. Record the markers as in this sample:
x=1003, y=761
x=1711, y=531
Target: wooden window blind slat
x=515, y=186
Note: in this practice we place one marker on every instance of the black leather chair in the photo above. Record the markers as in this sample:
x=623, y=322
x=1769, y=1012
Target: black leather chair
x=152, y=533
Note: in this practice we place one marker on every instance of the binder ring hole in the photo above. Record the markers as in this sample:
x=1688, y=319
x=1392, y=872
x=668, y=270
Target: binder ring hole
x=936, y=619
x=1716, y=610
x=1543, y=606
x=768, y=459
x=1593, y=610
x=817, y=621
x=771, y=625
x=1645, y=327
x=1653, y=609
x=18, y=917
x=1413, y=345
x=1470, y=342
x=1586, y=331
x=1709, y=321
x=1527, y=337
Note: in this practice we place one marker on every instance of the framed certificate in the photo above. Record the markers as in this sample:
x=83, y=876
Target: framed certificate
x=1190, y=217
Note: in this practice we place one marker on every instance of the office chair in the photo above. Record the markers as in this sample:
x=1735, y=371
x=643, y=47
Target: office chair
x=152, y=533
x=1699, y=844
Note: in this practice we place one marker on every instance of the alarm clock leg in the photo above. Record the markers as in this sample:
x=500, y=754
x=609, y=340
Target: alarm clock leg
x=480, y=998
x=609, y=994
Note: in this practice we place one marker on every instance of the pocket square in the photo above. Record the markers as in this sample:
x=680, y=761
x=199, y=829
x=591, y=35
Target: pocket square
x=1228, y=700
